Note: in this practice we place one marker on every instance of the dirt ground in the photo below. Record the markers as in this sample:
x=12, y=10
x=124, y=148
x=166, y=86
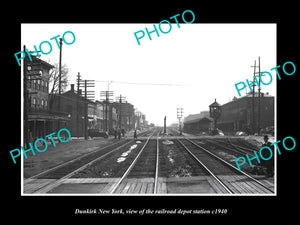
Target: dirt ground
x=63, y=152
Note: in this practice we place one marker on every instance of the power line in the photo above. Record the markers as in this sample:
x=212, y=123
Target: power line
x=137, y=83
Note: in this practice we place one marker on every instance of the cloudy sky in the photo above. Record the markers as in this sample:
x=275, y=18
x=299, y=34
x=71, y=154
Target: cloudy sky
x=188, y=67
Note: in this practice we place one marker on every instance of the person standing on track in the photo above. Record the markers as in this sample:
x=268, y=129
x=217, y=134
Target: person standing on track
x=119, y=133
x=135, y=135
x=269, y=164
x=115, y=133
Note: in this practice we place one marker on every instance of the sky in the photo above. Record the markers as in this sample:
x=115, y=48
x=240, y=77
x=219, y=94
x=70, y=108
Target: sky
x=188, y=68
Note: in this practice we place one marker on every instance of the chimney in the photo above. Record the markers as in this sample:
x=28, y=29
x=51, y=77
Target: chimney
x=72, y=87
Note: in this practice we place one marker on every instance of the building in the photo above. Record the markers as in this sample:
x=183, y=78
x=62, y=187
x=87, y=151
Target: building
x=197, y=123
x=237, y=115
x=125, y=113
x=112, y=118
x=72, y=104
x=100, y=119
x=140, y=121
x=41, y=121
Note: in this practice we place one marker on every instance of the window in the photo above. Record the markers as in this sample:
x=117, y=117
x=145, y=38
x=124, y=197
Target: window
x=38, y=84
x=46, y=86
x=33, y=103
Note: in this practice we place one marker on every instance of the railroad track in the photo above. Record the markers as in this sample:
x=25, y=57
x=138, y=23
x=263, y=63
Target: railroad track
x=233, y=148
x=227, y=176
x=59, y=173
x=144, y=167
x=141, y=171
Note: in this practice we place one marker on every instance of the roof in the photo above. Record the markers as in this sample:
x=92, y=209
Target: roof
x=36, y=60
x=195, y=118
x=214, y=104
x=248, y=96
x=206, y=118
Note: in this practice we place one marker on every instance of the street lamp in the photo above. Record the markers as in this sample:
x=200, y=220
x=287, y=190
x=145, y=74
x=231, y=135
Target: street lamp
x=215, y=113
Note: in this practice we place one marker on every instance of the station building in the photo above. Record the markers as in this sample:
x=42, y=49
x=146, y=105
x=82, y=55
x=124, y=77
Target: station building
x=198, y=123
x=236, y=115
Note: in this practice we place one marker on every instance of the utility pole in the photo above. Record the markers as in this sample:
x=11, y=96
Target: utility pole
x=107, y=98
x=120, y=99
x=259, y=95
x=77, y=105
x=259, y=89
x=179, y=116
x=165, y=125
x=253, y=101
x=25, y=95
x=85, y=112
x=88, y=95
x=59, y=73
x=59, y=82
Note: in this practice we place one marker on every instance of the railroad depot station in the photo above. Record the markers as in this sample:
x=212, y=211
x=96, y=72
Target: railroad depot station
x=236, y=116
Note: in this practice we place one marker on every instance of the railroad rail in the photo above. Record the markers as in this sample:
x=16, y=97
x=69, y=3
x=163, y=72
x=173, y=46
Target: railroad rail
x=57, y=174
x=152, y=165
x=228, y=176
x=145, y=165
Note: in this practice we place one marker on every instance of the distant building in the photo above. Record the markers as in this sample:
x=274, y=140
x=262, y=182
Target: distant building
x=197, y=123
x=125, y=110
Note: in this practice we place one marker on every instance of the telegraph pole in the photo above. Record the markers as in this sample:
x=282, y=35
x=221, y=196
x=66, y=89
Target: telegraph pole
x=87, y=95
x=106, y=100
x=120, y=99
x=259, y=89
x=59, y=82
x=165, y=125
x=259, y=95
x=25, y=95
x=253, y=100
x=77, y=105
x=59, y=73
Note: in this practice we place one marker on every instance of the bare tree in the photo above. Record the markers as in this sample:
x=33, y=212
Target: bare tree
x=54, y=82
x=54, y=78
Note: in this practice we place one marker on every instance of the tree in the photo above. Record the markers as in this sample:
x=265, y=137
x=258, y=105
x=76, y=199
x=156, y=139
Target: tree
x=54, y=78
x=54, y=81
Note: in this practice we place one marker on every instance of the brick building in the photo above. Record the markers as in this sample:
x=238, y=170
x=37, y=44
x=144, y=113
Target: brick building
x=73, y=105
x=41, y=121
x=237, y=115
